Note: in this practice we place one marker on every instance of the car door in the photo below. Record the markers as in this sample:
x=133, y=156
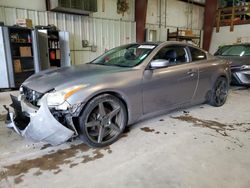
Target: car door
x=206, y=70
x=168, y=87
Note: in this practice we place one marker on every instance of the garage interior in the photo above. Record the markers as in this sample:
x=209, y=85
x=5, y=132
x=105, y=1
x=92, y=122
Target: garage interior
x=198, y=146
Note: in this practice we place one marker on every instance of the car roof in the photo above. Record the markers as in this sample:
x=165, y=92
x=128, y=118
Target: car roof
x=168, y=42
x=162, y=43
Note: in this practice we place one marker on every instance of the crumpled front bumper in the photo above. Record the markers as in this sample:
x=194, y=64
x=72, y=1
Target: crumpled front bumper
x=41, y=125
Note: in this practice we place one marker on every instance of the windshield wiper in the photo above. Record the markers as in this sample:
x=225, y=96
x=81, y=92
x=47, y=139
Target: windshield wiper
x=100, y=64
x=119, y=65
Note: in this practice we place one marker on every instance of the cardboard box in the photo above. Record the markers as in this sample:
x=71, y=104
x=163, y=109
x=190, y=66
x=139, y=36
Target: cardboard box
x=25, y=51
x=181, y=33
x=24, y=22
x=188, y=32
x=17, y=66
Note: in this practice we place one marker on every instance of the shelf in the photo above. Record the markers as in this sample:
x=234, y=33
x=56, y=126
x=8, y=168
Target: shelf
x=179, y=36
x=54, y=48
x=185, y=37
x=19, y=28
x=55, y=59
x=54, y=39
x=24, y=43
x=28, y=70
x=21, y=57
x=25, y=72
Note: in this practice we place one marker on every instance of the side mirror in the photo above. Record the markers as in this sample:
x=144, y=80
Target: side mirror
x=159, y=63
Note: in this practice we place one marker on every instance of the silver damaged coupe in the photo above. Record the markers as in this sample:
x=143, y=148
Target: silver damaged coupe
x=97, y=100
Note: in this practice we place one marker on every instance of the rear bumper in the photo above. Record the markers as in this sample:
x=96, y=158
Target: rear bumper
x=37, y=124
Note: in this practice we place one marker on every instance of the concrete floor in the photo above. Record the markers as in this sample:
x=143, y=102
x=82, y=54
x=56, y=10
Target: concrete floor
x=202, y=146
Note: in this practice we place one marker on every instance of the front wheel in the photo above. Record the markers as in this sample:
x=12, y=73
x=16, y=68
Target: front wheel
x=103, y=121
x=219, y=92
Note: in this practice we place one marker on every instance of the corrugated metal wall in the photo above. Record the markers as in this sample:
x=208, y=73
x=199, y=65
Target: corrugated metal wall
x=170, y=14
x=104, y=33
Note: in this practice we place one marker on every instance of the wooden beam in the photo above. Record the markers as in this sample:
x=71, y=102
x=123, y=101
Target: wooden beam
x=140, y=19
x=232, y=20
x=209, y=21
x=47, y=5
x=218, y=21
x=193, y=2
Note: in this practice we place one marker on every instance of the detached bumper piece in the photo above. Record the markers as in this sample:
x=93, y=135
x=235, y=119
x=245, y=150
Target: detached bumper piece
x=37, y=124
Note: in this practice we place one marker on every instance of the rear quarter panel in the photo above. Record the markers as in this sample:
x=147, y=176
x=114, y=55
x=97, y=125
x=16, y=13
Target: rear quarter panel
x=209, y=71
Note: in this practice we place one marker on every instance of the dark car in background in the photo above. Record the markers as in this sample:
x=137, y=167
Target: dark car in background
x=239, y=55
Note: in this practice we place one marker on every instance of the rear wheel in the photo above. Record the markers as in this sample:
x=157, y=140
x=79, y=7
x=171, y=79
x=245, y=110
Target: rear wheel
x=219, y=92
x=103, y=121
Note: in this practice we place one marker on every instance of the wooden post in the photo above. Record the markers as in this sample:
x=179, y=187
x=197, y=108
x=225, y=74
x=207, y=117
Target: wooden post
x=218, y=20
x=140, y=18
x=232, y=20
x=209, y=21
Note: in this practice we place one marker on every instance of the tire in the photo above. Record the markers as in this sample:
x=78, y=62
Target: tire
x=219, y=92
x=102, y=121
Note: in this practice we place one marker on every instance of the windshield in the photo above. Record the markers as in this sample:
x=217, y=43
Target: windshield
x=125, y=56
x=235, y=50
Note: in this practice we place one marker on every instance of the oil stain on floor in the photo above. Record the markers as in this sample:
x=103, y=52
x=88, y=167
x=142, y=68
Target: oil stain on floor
x=52, y=162
x=150, y=130
x=214, y=125
x=147, y=129
x=220, y=128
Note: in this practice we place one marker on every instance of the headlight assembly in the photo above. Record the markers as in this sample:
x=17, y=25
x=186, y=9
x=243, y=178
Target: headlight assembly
x=58, y=98
x=21, y=89
x=245, y=67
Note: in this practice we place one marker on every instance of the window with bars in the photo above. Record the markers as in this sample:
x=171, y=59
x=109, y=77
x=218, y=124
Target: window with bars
x=88, y=5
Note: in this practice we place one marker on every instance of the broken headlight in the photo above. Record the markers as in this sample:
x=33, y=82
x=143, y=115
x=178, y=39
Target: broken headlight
x=58, y=98
x=21, y=89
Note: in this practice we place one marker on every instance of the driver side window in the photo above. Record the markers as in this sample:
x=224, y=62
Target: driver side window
x=174, y=54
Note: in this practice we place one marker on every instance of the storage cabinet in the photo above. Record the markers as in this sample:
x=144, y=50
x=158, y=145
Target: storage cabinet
x=17, y=56
x=5, y=68
x=24, y=52
x=21, y=53
x=54, y=47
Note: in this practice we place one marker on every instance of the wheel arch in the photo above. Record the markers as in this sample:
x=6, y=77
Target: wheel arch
x=120, y=96
x=221, y=76
x=209, y=92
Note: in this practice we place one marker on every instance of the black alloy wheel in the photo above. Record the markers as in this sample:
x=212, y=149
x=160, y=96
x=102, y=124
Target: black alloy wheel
x=219, y=92
x=103, y=121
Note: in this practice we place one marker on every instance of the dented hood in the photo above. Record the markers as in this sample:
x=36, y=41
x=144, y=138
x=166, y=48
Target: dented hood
x=68, y=76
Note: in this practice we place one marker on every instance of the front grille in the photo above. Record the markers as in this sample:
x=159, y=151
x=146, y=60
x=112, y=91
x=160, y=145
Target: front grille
x=31, y=95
